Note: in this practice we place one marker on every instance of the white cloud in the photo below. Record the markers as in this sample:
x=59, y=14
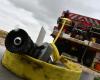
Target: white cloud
x=13, y=17
x=47, y=11
x=32, y=13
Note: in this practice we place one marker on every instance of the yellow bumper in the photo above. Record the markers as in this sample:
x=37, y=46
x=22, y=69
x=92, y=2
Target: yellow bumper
x=32, y=69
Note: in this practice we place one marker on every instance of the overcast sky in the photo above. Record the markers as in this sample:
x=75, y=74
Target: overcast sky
x=32, y=14
x=47, y=11
x=12, y=17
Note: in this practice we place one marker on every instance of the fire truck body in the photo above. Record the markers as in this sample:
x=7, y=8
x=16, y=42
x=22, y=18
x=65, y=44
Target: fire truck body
x=82, y=28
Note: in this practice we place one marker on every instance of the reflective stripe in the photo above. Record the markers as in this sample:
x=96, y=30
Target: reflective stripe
x=84, y=18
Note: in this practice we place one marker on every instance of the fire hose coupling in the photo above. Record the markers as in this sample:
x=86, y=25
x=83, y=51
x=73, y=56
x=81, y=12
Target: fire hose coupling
x=19, y=42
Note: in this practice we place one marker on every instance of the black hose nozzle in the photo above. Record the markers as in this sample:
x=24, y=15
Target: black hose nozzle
x=18, y=41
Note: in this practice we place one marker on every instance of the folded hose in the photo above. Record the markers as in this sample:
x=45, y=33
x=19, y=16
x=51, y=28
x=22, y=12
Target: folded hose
x=65, y=21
